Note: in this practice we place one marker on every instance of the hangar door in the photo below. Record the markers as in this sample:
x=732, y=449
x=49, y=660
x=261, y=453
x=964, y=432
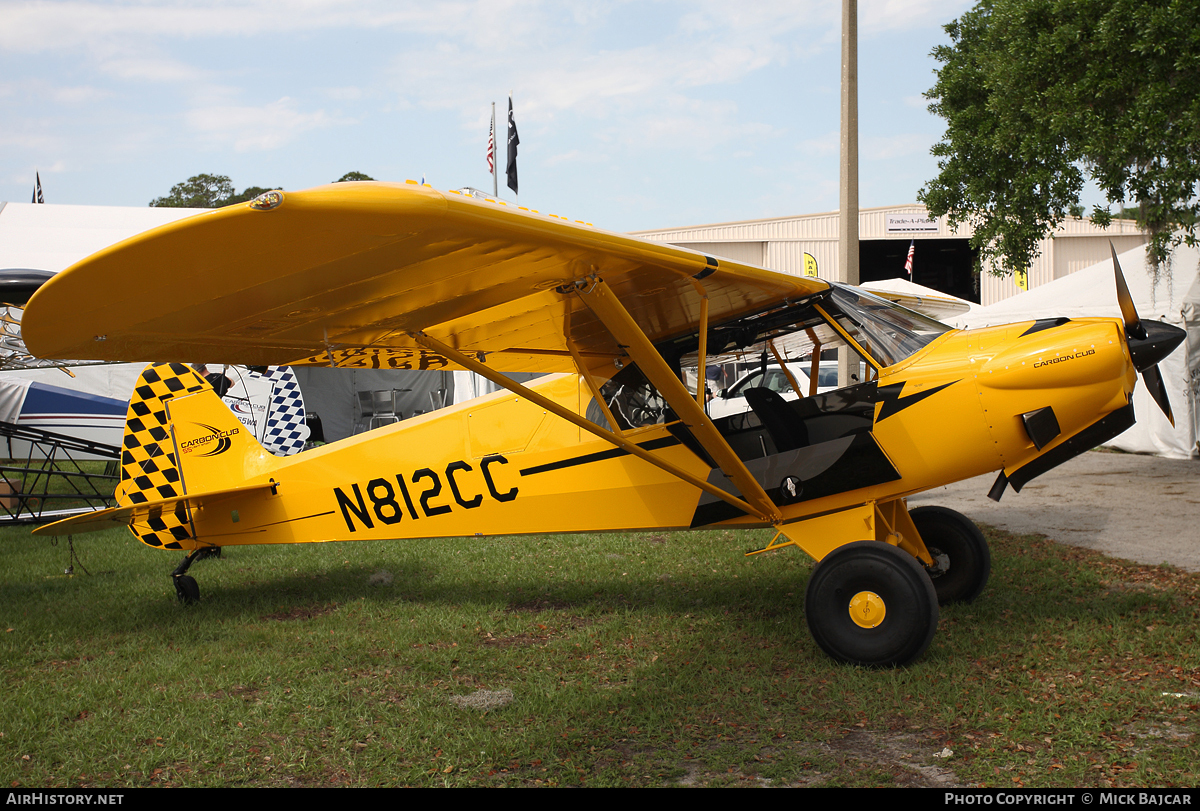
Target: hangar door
x=943, y=264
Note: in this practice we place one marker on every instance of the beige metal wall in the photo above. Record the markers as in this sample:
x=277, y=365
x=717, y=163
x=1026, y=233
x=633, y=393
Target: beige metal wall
x=780, y=244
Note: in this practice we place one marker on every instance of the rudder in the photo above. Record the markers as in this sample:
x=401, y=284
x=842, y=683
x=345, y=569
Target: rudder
x=149, y=467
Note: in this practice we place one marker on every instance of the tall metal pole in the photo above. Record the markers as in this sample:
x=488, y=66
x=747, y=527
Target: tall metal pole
x=848, y=205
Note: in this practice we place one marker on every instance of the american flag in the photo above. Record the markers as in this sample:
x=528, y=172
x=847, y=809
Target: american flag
x=908, y=262
x=492, y=146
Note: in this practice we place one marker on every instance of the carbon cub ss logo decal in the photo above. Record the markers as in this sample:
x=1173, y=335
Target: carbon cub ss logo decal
x=222, y=438
x=467, y=486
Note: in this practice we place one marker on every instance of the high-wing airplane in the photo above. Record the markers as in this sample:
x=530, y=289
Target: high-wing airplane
x=378, y=275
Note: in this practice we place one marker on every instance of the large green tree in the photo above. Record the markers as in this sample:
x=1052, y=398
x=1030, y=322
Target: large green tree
x=207, y=191
x=1039, y=95
x=198, y=191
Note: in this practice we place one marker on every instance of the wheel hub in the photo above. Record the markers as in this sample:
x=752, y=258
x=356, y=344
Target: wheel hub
x=867, y=609
x=941, y=562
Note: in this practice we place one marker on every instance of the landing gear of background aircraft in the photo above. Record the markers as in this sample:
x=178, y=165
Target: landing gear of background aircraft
x=960, y=553
x=869, y=603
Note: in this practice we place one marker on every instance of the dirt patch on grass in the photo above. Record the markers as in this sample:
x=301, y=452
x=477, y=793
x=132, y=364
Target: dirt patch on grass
x=912, y=760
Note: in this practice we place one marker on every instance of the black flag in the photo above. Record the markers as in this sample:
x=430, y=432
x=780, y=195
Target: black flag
x=37, y=188
x=513, y=140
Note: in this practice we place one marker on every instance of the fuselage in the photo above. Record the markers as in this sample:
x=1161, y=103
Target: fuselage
x=499, y=465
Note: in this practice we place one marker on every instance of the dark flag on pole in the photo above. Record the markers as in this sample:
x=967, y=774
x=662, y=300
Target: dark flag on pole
x=513, y=140
x=37, y=189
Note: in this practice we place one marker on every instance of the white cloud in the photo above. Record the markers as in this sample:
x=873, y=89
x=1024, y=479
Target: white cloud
x=897, y=145
x=828, y=144
x=249, y=129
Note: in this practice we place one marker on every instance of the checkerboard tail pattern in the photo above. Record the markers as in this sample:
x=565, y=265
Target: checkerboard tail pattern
x=149, y=469
x=286, y=430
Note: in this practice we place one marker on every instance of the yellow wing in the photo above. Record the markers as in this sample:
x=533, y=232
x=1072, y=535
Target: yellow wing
x=349, y=272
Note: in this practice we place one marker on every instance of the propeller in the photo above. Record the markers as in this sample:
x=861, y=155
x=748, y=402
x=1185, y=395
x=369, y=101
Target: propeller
x=1149, y=342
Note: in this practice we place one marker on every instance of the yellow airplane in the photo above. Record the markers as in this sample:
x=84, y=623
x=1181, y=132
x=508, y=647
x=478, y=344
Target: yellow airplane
x=379, y=275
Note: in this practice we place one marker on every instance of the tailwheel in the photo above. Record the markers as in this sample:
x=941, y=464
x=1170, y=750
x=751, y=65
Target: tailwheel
x=869, y=603
x=961, y=559
x=185, y=585
x=186, y=589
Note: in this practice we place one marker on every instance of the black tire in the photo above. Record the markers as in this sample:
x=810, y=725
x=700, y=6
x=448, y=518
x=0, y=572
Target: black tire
x=897, y=579
x=962, y=560
x=186, y=589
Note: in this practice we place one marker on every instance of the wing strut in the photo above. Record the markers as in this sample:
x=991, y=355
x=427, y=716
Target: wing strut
x=605, y=305
x=582, y=422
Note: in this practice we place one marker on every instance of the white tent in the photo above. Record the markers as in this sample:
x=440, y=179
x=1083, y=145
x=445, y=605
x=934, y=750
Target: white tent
x=1174, y=299
x=926, y=300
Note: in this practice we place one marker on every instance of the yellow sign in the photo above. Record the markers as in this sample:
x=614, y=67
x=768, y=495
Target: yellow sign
x=810, y=265
x=1021, y=277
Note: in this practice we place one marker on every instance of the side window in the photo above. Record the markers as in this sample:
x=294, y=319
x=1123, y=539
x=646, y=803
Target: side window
x=633, y=401
x=777, y=381
x=753, y=381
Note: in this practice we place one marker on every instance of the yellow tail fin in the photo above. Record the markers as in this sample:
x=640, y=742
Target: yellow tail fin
x=179, y=438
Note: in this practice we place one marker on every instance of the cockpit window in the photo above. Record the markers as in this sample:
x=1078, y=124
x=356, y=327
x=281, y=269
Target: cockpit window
x=890, y=333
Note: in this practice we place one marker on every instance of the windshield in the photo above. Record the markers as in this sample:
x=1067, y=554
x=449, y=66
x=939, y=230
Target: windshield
x=889, y=332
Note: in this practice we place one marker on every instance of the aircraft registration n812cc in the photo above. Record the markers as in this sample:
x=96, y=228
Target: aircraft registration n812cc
x=400, y=276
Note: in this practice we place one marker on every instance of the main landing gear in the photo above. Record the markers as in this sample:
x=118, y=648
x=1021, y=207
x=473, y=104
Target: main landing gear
x=873, y=604
x=869, y=603
x=185, y=585
x=962, y=562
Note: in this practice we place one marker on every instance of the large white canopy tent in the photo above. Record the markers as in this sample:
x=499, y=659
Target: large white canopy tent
x=1172, y=297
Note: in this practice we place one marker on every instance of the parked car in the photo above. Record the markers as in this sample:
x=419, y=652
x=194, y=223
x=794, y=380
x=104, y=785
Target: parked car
x=733, y=399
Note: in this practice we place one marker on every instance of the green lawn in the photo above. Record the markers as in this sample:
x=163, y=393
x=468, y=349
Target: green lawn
x=595, y=660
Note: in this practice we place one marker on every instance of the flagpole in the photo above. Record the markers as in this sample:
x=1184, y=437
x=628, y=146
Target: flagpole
x=495, y=174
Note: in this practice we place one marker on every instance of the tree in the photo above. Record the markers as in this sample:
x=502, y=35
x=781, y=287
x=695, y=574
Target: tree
x=353, y=176
x=207, y=191
x=249, y=194
x=199, y=191
x=1038, y=94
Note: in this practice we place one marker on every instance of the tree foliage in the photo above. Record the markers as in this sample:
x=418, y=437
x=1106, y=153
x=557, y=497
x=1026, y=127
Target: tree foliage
x=215, y=191
x=199, y=191
x=1038, y=95
x=207, y=191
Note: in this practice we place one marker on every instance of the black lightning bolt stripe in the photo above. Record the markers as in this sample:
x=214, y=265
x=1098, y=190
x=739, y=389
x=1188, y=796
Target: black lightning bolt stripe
x=893, y=403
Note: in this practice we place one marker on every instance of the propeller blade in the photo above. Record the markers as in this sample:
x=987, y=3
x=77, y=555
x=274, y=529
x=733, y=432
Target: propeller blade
x=1133, y=324
x=1158, y=390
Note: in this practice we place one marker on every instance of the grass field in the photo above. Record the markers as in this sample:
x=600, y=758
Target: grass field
x=589, y=660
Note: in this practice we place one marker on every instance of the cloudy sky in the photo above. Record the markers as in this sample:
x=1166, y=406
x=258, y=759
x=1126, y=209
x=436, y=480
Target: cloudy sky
x=632, y=115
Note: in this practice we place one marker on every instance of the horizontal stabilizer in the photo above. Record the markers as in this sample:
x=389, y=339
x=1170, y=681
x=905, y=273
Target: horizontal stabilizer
x=145, y=512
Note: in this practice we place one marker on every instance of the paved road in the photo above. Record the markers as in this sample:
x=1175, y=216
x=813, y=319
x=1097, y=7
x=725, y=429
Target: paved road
x=1139, y=508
